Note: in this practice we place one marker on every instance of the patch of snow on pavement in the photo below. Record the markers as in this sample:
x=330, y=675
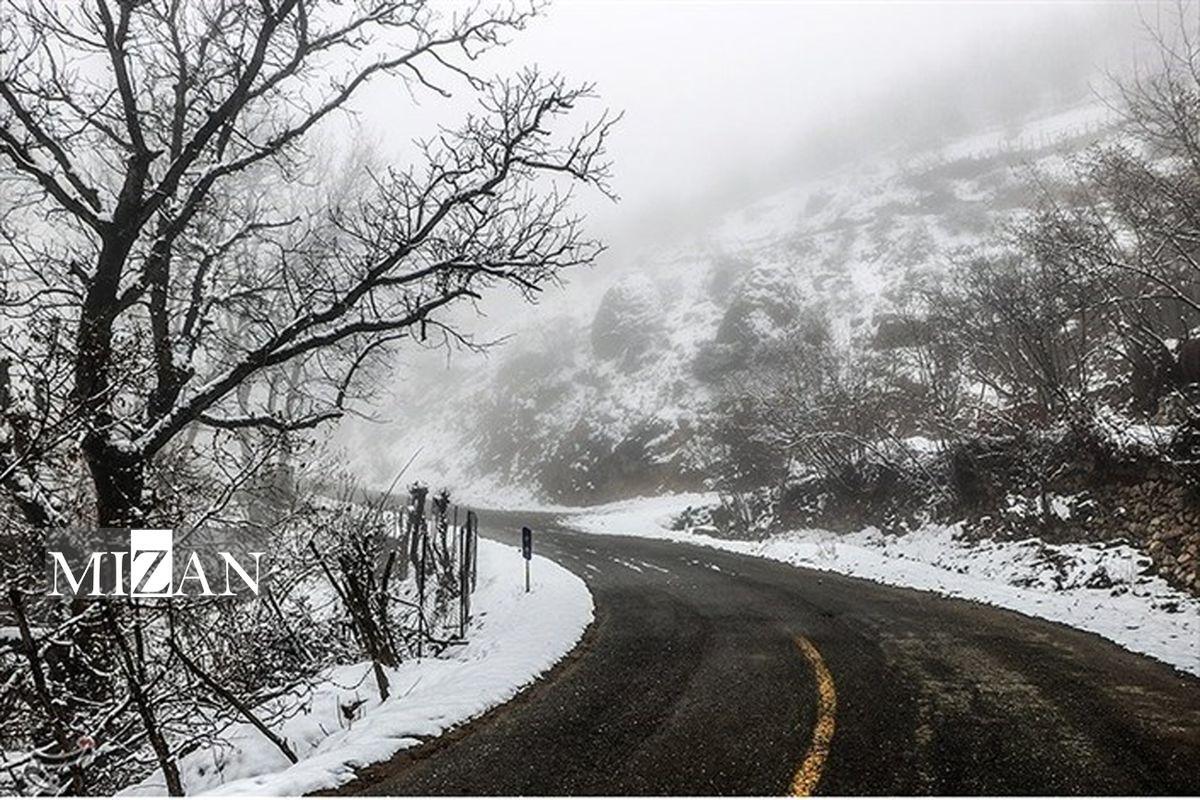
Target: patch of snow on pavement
x=1098, y=588
x=514, y=638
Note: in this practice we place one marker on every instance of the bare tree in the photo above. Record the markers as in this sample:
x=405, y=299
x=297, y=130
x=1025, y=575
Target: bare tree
x=1024, y=326
x=1128, y=224
x=158, y=274
x=187, y=287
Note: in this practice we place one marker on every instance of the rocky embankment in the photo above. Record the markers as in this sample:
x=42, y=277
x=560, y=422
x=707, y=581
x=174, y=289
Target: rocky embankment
x=1166, y=522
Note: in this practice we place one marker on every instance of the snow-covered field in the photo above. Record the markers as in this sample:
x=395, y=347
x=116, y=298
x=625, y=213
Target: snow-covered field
x=514, y=638
x=1093, y=587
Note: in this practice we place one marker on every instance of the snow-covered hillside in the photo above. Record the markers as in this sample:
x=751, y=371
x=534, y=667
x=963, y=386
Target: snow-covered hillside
x=605, y=400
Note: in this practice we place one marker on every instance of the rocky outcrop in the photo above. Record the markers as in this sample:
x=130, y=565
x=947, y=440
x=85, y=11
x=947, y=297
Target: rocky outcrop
x=628, y=321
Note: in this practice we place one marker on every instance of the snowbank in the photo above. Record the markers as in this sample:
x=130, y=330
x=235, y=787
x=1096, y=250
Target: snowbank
x=514, y=638
x=1094, y=587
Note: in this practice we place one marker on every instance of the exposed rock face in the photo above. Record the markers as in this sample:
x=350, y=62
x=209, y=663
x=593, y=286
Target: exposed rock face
x=628, y=321
x=762, y=305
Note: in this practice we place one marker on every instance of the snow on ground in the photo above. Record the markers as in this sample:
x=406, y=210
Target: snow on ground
x=514, y=638
x=1072, y=122
x=1130, y=436
x=1093, y=587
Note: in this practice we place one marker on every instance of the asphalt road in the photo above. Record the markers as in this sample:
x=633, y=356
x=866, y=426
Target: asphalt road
x=694, y=679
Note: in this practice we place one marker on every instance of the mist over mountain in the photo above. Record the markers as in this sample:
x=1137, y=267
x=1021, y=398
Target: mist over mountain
x=602, y=391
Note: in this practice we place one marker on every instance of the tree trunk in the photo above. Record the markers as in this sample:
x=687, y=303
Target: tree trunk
x=42, y=692
x=145, y=707
x=116, y=475
x=119, y=480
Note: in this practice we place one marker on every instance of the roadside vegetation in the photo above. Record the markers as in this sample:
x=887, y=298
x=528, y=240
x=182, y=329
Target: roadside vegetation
x=1047, y=384
x=193, y=286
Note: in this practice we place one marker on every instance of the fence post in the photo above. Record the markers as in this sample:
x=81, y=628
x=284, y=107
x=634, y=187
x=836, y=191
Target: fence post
x=462, y=578
x=402, y=533
x=423, y=536
x=473, y=537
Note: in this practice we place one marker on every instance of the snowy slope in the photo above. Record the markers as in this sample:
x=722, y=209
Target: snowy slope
x=603, y=401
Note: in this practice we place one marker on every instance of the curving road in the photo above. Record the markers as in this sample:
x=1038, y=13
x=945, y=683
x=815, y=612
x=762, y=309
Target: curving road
x=709, y=673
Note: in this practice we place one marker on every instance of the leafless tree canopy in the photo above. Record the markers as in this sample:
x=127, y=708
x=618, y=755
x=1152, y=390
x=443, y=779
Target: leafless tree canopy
x=173, y=254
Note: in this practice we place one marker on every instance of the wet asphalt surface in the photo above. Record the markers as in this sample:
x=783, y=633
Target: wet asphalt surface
x=690, y=682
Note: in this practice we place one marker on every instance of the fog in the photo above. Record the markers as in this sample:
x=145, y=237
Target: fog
x=719, y=97
x=725, y=102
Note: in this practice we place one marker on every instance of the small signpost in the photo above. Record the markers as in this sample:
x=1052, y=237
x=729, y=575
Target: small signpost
x=527, y=551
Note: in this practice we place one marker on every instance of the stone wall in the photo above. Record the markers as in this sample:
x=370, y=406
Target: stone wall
x=1166, y=522
x=1157, y=514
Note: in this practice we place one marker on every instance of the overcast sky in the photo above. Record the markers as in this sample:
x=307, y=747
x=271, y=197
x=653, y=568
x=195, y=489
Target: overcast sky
x=717, y=89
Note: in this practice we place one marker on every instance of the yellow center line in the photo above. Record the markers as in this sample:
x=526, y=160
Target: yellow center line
x=805, y=781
